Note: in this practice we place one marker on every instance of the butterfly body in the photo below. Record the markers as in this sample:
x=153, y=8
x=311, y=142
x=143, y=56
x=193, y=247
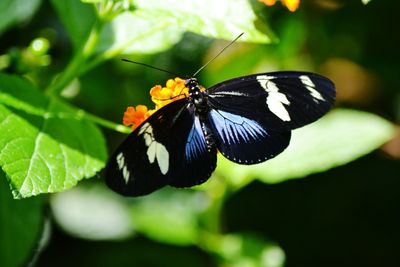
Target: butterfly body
x=247, y=119
x=199, y=99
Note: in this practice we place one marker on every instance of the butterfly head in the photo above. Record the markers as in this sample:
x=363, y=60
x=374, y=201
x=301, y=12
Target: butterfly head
x=192, y=84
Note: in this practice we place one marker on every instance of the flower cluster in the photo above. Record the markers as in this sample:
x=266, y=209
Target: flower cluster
x=174, y=89
x=292, y=5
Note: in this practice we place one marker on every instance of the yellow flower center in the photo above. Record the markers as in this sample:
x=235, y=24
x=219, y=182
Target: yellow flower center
x=174, y=89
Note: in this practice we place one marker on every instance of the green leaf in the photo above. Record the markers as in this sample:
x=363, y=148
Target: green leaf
x=126, y=33
x=93, y=212
x=21, y=223
x=77, y=17
x=218, y=19
x=45, y=144
x=336, y=139
x=16, y=11
x=93, y=1
x=155, y=26
x=248, y=249
x=130, y=33
x=170, y=216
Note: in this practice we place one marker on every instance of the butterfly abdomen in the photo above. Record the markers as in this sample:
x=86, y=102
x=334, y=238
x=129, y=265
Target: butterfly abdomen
x=208, y=136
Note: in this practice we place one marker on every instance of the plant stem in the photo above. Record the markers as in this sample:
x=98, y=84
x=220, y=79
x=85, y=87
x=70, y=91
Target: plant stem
x=80, y=57
x=66, y=76
x=107, y=124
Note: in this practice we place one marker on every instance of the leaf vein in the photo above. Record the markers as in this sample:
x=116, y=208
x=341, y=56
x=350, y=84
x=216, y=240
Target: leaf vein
x=35, y=149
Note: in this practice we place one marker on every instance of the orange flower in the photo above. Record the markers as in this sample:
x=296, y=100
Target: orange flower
x=268, y=2
x=134, y=117
x=292, y=5
x=174, y=89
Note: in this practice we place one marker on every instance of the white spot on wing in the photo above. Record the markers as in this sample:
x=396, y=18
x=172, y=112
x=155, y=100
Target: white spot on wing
x=275, y=99
x=147, y=132
x=155, y=150
x=225, y=93
x=162, y=156
x=120, y=160
x=125, y=174
x=311, y=87
x=122, y=167
x=151, y=152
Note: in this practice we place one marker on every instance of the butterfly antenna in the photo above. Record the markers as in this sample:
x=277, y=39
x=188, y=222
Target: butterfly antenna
x=220, y=52
x=149, y=66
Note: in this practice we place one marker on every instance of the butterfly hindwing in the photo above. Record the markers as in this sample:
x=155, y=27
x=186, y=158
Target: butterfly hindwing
x=200, y=159
x=147, y=159
x=244, y=140
x=280, y=101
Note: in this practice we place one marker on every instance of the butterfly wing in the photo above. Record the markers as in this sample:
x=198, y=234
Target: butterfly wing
x=163, y=150
x=144, y=162
x=252, y=116
x=200, y=158
x=280, y=101
x=245, y=140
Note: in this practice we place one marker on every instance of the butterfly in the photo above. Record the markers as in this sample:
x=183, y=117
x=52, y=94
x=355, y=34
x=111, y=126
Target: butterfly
x=247, y=119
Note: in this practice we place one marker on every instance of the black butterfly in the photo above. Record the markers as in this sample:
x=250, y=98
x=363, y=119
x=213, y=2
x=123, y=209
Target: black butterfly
x=248, y=119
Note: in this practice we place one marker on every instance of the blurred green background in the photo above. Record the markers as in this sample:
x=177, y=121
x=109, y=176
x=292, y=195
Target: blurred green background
x=331, y=199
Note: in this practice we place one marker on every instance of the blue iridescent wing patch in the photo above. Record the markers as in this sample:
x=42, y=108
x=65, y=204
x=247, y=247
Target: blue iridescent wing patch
x=244, y=140
x=200, y=160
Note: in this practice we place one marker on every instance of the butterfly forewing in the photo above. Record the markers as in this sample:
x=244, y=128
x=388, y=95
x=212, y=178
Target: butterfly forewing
x=167, y=149
x=280, y=101
x=147, y=159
